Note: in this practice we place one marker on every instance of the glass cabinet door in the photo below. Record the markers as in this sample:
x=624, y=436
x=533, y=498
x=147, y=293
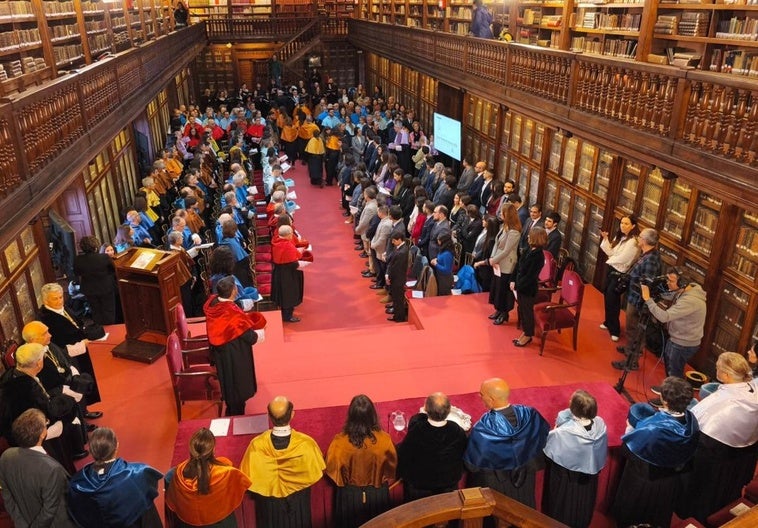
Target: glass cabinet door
x=516, y=133
x=554, y=163
x=564, y=202
x=651, y=196
x=676, y=209
x=577, y=229
x=592, y=247
x=534, y=185
x=745, y=259
x=629, y=183
x=551, y=191
x=526, y=143
x=603, y=173
x=506, y=136
x=586, y=164
x=539, y=136
x=569, y=159
x=704, y=223
x=730, y=318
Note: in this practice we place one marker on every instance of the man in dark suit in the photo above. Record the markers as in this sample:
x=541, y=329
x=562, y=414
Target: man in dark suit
x=68, y=333
x=467, y=176
x=34, y=485
x=475, y=190
x=397, y=270
x=441, y=226
x=535, y=220
x=554, y=237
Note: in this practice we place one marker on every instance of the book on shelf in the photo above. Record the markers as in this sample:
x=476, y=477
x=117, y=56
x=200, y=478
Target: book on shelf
x=738, y=29
x=737, y=62
x=693, y=24
x=666, y=24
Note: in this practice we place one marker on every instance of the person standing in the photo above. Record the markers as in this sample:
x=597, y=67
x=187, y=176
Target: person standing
x=95, y=271
x=111, y=492
x=481, y=20
x=397, y=272
x=361, y=460
x=205, y=489
x=503, y=261
x=282, y=464
x=33, y=484
x=622, y=253
x=443, y=264
x=526, y=283
x=506, y=444
x=576, y=451
x=430, y=458
x=287, y=281
x=648, y=266
x=684, y=319
x=315, y=149
x=231, y=335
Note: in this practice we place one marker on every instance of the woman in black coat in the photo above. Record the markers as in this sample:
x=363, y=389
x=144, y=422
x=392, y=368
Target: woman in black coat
x=525, y=283
x=95, y=273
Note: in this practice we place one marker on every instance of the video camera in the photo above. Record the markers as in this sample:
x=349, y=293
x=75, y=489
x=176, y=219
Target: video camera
x=658, y=285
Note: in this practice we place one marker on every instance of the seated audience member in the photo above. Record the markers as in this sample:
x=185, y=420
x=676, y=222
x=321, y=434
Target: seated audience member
x=124, y=238
x=204, y=490
x=505, y=445
x=20, y=390
x=576, y=451
x=68, y=333
x=726, y=454
x=241, y=256
x=33, y=484
x=361, y=460
x=179, y=225
x=430, y=458
x=140, y=234
x=111, y=492
x=231, y=335
x=282, y=464
x=287, y=279
x=188, y=279
x=659, y=448
x=221, y=264
x=94, y=272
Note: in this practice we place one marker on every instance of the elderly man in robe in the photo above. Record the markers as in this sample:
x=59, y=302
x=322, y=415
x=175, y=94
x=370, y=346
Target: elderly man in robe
x=282, y=464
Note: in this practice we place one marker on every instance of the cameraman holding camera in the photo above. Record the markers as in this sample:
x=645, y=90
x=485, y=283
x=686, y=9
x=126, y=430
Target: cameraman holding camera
x=647, y=266
x=685, y=318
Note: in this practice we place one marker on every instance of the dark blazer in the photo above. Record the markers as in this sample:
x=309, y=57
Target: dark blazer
x=397, y=265
x=64, y=333
x=475, y=190
x=554, y=241
x=438, y=228
x=484, y=194
x=524, y=241
x=528, y=272
x=95, y=272
x=34, y=488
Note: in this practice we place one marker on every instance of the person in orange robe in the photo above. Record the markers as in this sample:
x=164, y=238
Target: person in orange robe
x=205, y=490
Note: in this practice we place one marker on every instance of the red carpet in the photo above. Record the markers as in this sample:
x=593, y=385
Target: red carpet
x=344, y=346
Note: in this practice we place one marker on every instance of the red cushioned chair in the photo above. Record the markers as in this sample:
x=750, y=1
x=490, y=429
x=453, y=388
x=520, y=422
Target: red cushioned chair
x=195, y=350
x=263, y=267
x=9, y=354
x=193, y=383
x=565, y=314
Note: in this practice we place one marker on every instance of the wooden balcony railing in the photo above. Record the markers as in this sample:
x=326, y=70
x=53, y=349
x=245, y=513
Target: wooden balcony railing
x=471, y=505
x=254, y=28
x=43, y=130
x=696, y=122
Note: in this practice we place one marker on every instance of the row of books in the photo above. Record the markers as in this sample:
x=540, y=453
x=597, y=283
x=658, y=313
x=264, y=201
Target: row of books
x=584, y=19
x=16, y=7
x=694, y=24
x=738, y=28
x=64, y=30
x=67, y=53
x=99, y=42
x=58, y=8
x=737, y=62
x=20, y=67
x=18, y=37
x=613, y=47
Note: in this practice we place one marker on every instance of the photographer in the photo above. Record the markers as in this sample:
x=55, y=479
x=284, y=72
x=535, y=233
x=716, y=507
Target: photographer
x=685, y=318
x=647, y=266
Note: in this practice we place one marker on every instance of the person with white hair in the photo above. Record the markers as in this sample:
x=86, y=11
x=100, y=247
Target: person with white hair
x=287, y=280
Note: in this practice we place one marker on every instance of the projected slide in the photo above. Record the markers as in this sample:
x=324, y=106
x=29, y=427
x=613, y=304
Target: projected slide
x=447, y=136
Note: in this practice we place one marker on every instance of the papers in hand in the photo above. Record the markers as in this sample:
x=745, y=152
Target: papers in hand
x=285, y=167
x=353, y=210
x=292, y=195
x=220, y=426
x=496, y=270
x=289, y=182
x=384, y=190
x=417, y=294
x=283, y=158
x=303, y=264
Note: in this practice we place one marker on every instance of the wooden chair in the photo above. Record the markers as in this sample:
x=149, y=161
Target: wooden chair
x=190, y=383
x=195, y=350
x=550, y=316
x=9, y=354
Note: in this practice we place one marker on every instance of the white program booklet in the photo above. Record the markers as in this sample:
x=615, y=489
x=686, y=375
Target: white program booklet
x=220, y=426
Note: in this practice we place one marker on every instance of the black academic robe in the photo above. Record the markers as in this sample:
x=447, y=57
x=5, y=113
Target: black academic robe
x=287, y=283
x=430, y=459
x=236, y=368
x=63, y=333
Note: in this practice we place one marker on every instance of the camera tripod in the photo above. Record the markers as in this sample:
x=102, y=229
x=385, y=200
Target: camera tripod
x=636, y=345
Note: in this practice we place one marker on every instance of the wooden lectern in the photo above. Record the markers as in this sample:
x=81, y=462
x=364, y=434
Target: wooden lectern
x=149, y=282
